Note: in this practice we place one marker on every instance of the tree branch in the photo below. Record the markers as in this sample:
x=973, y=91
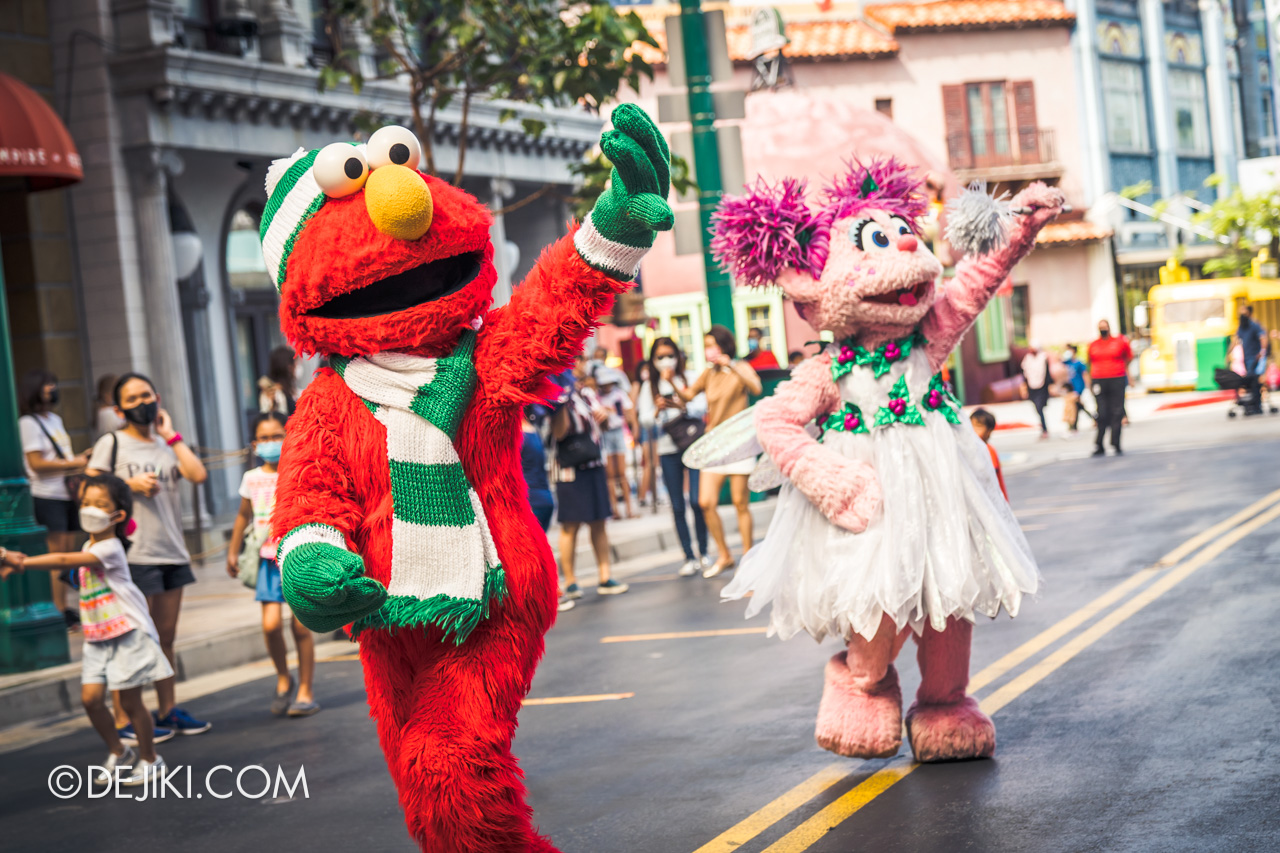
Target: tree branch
x=462, y=136
x=531, y=197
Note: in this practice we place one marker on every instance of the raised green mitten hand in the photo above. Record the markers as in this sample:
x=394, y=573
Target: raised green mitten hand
x=628, y=215
x=326, y=587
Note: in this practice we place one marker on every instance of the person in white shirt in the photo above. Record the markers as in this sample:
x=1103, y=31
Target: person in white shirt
x=49, y=460
x=121, y=652
x=659, y=404
x=1035, y=367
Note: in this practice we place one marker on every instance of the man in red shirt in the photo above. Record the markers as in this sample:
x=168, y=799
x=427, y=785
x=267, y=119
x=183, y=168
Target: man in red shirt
x=1109, y=373
x=759, y=358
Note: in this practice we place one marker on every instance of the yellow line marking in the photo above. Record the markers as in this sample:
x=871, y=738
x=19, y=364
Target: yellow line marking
x=1119, y=484
x=813, y=829
x=1172, y=578
x=747, y=829
x=352, y=656
x=1177, y=554
x=1056, y=632
x=1028, y=528
x=573, y=700
x=682, y=635
x=833, y=814
x=1050, y=510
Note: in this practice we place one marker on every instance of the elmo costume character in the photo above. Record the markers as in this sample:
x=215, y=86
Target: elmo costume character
x=890, y=522
x=401, y=510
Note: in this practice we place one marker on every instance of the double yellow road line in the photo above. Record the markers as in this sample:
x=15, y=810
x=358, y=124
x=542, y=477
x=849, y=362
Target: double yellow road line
x=1127, y=598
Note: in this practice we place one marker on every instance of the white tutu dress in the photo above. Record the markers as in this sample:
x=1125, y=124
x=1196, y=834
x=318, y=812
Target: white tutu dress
x=944, y=543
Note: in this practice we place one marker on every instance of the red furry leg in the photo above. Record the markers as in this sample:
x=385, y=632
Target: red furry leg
x=446, y=716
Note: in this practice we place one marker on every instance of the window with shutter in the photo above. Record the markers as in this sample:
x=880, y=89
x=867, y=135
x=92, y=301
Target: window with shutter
x=957, y=124
x=1024, y=115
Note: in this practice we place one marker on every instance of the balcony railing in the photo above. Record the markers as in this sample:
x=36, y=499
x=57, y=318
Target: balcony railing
x=1027, y=146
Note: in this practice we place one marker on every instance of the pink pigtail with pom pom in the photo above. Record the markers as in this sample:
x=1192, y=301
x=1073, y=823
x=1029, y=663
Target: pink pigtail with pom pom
x=768, y=230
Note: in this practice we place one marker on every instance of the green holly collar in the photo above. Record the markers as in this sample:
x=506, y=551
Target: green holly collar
x=899, y=410
x=881, y=360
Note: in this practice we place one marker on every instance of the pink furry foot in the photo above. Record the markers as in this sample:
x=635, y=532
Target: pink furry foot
x=857, y=723
x=950, y=732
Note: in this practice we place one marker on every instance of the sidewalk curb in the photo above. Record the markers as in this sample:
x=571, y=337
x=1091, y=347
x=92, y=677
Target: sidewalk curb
x=56, y=690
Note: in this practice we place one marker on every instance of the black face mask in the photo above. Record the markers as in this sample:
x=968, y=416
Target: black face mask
x=144, y=414
x=53, y=397
x=1104, y=333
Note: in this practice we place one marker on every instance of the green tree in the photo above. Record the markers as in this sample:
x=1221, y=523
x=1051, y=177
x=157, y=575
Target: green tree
x=544, y=52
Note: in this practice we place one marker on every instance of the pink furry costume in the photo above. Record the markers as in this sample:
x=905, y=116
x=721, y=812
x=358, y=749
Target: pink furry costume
x=401, y=509
x=890, y=520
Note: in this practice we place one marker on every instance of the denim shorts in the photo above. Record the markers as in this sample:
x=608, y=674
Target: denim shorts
x=122, y=663
x=270, y=587
x=613, y=442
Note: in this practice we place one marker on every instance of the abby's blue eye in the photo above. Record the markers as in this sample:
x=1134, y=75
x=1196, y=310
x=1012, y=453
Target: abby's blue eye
x=869, y=236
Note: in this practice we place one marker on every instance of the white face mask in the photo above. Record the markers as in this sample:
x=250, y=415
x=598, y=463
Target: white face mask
x=94, y=520
x=665, y=363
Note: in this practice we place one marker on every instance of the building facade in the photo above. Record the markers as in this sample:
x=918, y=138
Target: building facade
x=177, y=109
x=965, y=91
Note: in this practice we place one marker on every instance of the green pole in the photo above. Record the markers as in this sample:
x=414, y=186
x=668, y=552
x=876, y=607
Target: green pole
x=706, y=155
x=32, y=632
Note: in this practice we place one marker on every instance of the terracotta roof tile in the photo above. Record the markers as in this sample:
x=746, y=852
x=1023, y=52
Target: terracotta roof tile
x=811, y=40
x=968, y=15
x=1062, y=233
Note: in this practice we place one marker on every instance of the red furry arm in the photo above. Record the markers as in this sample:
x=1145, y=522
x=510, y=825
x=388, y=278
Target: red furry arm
x=978, y=278
x=315, y=485
x=544, y=325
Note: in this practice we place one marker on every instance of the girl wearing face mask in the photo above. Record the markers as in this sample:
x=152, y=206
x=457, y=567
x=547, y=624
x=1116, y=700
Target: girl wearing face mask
x=152, y=457
x=46, y=452
x=728, y=384
x=257, y=501
x=120, y=651
x=659, y=404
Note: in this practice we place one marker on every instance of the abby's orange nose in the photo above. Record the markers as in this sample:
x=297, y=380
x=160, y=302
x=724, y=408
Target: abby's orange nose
x=907, y=243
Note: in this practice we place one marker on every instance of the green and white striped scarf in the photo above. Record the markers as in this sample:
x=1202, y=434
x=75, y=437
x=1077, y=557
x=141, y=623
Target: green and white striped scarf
x=445, y=569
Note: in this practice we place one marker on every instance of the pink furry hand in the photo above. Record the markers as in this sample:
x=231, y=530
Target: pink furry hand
x=1044, y=202
x=844, y=490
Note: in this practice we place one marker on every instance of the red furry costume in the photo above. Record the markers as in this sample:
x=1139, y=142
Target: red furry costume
x=388, y=261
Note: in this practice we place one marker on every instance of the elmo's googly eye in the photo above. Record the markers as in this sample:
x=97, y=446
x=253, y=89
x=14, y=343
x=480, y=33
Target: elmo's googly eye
x=394, y=146
x=340, y=169
x=869, y=236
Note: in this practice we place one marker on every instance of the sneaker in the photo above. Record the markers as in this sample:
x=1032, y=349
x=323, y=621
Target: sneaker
x=303, y=709
x=566, y=603
x=182, y=722
x=1099, y=452
x=104, y=774
x=143, y=772
x=704, y=562
x=572, y=592
x=611, y=587
x=159, y=735
x=716, y=568
x=280, y=702
x=689, y=569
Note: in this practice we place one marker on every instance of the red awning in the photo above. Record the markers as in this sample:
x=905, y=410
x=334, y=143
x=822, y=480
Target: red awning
x=34, y=144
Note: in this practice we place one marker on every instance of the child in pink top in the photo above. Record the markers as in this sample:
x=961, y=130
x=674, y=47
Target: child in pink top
x=257, y=502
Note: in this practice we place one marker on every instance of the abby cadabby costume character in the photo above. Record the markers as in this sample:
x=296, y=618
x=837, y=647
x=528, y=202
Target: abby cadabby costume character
x=890, y=521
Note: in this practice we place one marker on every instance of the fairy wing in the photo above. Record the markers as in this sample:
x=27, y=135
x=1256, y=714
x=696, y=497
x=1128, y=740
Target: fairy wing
x=731, y=441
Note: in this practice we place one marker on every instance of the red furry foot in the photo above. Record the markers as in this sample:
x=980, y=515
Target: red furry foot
x=858, y=723
x=950, y=732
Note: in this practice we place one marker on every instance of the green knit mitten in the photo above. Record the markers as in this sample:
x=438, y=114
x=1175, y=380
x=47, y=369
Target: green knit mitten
x=622, y=225
x=326, y=587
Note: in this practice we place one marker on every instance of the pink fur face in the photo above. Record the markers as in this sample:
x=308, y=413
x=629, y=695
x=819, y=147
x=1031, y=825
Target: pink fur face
x=878, y=276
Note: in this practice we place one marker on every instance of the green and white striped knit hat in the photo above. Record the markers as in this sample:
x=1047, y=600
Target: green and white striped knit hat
x=293, y=197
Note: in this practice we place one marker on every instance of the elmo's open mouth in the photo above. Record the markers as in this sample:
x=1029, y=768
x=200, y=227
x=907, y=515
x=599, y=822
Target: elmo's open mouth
x=908, y=296
x=423, y=283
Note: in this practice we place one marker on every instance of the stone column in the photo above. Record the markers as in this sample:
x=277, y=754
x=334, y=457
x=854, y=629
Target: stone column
x=282, y=37
x=1164, y=136
x=149, y=169
x=501, y=190
x=1097, y=158
x=1218, y=85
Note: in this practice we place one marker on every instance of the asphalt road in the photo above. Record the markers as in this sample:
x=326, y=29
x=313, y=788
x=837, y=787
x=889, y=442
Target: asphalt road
x=1147, y=723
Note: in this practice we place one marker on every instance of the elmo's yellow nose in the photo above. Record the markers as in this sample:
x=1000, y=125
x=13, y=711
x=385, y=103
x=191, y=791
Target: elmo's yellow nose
x=398, y=202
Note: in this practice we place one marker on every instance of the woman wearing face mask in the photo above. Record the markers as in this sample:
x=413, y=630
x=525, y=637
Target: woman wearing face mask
x=152, y=457
x=659, y=404
x=728, y=384
x=646, y=437
x=46, y=452
x=257, y=501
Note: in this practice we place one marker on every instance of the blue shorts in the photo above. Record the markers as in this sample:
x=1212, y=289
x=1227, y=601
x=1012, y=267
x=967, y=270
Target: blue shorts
x=269, y=587
x=613, y=442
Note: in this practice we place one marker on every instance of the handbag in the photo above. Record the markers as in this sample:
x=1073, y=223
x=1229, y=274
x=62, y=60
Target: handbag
x=250, y=558
x=576, y=449
x=684, y=431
